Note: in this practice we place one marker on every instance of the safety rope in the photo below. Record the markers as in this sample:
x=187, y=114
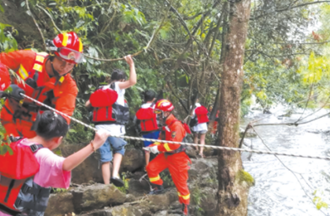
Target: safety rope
x=183, y=143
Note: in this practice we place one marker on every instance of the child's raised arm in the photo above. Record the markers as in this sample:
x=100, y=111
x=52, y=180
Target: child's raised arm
x=78, y=157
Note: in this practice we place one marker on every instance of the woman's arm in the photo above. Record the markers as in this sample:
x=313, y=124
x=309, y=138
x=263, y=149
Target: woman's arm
x=77, y=158
x=132, y=74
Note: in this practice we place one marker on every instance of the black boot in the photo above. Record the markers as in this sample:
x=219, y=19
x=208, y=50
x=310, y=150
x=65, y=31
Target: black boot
x=185, y=210
x=156, y=189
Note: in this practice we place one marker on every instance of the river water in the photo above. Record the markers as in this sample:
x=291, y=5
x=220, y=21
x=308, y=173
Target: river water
x=277, y=192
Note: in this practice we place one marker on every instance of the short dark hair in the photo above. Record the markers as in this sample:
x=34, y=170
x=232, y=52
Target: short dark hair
x=117, y=75
x=193, y=98
x=149, y=95
x=49, y=125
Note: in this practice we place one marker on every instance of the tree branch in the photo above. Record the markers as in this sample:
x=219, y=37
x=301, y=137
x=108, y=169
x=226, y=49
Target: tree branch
x=35, y=22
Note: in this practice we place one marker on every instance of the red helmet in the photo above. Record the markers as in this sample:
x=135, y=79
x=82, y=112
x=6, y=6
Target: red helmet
x=164, y=105
x=69, y=47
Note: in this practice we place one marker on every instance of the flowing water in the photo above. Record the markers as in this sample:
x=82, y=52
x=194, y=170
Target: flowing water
x=277, y=192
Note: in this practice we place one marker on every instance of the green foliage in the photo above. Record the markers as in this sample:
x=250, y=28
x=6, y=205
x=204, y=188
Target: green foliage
x=7, y=33
x=167, y=179
x=59, y=190
x=197, y=198
x=317, y=200
x=124, y=189
x=4, y=149
x=243, y=176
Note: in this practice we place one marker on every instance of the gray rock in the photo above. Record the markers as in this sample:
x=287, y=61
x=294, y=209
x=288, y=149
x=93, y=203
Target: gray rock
x=132, y=160
x=90, y=169
x=59, y=204
x=191, y=152
x=126, y=210
x=208, y=152
x=96, y=196
x=87, y=170
x=138, y=188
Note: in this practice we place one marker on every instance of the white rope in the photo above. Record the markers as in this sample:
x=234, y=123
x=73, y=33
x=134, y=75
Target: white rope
x=184, y=143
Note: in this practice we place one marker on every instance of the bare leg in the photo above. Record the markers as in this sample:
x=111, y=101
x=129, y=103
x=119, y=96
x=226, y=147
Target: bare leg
x=116, y=164
x=196, y=140
x=202, y=140
x=147, y=155
x=106, y=172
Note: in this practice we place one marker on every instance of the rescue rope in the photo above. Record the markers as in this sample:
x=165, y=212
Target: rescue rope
x=184, y=143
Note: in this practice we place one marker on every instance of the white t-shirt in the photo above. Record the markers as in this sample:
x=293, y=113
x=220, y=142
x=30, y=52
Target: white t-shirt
x=198, y=127
x=147, y=105
x=115, y=129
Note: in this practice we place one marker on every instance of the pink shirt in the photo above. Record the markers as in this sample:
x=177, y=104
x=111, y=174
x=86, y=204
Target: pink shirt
x=51, y=173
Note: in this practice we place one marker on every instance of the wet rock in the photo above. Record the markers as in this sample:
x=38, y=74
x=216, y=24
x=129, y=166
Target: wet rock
x=59, y=204
x=96, y=196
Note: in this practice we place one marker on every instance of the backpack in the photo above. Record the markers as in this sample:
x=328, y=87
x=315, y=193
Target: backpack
x=16, y=180
x=201, y=114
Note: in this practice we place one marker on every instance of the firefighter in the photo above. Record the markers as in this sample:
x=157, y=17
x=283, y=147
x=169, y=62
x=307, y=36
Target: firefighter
x=147, y=119
x=171, y=156
x=46, y=78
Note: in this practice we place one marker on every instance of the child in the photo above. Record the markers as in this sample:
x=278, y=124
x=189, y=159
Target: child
x=200, y=128
x=118, y=83
x=54, y=171
x=148, y=120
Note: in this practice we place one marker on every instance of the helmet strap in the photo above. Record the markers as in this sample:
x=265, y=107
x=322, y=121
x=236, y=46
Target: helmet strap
x=55, y=72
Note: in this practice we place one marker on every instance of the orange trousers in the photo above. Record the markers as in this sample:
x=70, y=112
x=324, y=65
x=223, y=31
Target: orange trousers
x=177, y=164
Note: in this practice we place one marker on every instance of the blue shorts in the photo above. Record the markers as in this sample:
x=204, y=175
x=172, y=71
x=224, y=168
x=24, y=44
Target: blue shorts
x=152, y=135
x=116, y=144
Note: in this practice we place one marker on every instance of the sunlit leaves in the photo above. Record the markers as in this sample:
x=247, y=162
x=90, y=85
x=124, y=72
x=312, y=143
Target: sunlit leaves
x=7, y=41
x=314, y=69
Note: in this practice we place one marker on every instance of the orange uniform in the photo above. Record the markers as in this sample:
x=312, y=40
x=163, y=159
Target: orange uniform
x=30, y=67
x=173, y=157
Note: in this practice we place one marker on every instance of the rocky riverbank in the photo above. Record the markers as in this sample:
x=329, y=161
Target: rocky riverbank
x=87, y=196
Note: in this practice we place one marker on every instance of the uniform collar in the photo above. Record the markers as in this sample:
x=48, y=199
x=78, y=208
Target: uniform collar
x=170, y=119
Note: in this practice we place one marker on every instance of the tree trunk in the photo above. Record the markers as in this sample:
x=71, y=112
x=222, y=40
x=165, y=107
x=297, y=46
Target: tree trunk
x=233, y=181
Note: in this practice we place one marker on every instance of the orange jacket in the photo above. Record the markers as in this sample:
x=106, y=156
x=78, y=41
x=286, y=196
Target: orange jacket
x=26, y=63
x=174, y=131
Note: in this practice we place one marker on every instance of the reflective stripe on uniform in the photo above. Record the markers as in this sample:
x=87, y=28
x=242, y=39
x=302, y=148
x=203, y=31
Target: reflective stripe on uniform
x=37, y=67
x=154, y=178
x=61, y=79
x=40, y=58
x=22, y=72
x=167, y=147
x=184, y=197
x=65, y=39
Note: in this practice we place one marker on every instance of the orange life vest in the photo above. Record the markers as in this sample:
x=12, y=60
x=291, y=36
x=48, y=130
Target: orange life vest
x=34, y=86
